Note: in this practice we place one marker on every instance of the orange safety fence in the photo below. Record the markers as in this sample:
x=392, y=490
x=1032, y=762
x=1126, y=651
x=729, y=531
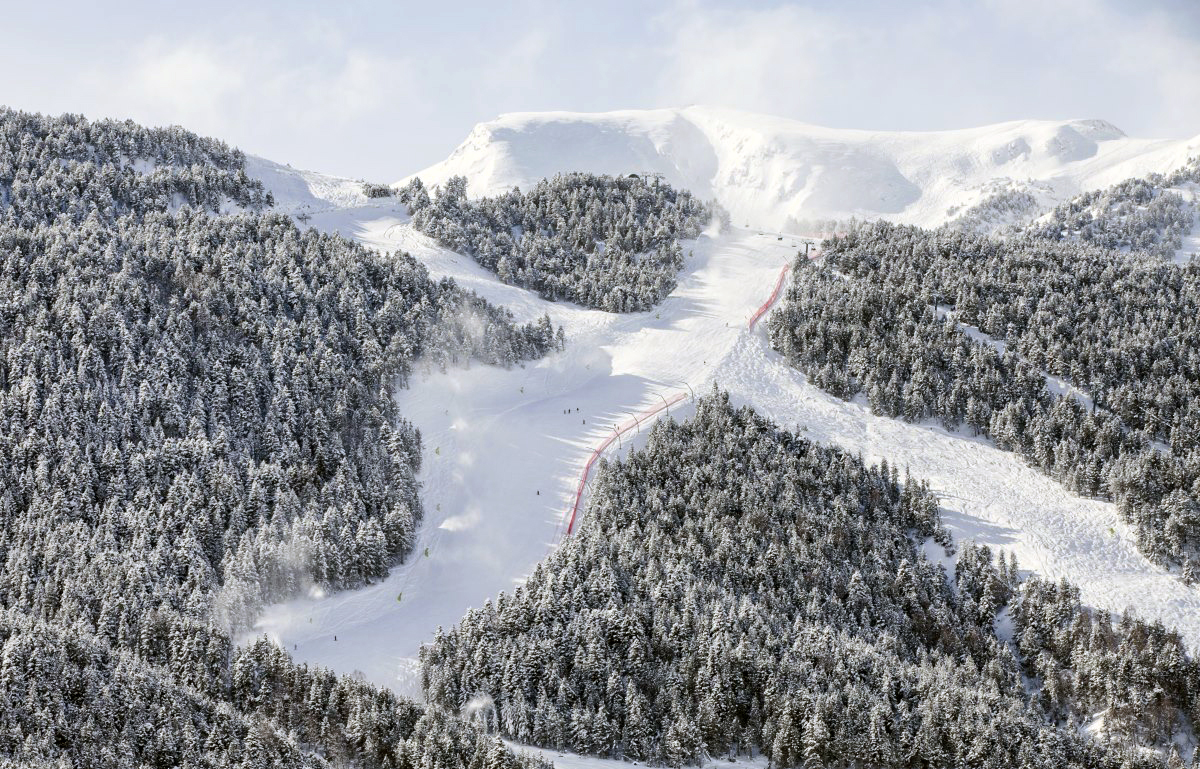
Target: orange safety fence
x=617, y=432
x=667, y=403
x=761, y=311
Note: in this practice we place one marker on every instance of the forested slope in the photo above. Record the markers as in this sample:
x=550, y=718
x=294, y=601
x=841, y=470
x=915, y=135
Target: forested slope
x=883, y=314
x=1142, y=214
x=735, y=588
x=196, y=418
x=606, y=242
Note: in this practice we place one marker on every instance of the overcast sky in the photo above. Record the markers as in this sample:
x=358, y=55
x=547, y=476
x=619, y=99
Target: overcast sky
x=381, y=89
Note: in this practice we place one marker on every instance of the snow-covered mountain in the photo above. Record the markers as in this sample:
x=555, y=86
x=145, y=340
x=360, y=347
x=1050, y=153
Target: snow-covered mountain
x=496, y=504
x=776, y=173
x=504, y=449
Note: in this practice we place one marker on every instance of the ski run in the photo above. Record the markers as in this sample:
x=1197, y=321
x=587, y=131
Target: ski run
x=507, y=454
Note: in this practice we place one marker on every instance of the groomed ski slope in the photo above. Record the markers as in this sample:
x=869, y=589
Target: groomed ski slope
x=503, y=457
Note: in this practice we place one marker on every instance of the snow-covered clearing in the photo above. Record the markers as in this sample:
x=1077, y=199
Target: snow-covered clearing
x=1191, y=241
x=504, y=451
x=1055, y=384
x=564, y=760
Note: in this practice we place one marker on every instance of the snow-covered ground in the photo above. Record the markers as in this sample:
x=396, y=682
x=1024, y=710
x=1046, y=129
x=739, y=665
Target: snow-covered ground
x=304, y=193
x=1191, y=242
x=502, y=458
x=504, y=449
x=574, y=761
x=776, y=173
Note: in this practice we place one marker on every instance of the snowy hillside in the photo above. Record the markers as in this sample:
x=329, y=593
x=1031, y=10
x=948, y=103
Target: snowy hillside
x=775, y=173
x=503, y=459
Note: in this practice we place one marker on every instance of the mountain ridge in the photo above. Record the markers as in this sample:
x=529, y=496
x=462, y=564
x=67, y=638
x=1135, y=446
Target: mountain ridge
x=780, y=173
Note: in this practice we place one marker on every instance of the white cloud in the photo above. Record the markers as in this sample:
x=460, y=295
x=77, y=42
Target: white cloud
x=1168, y=67
x=753, y=59
x=280, y=97
x=519, y=65
x=940, y=64
x=191, y=81
x=381, y=94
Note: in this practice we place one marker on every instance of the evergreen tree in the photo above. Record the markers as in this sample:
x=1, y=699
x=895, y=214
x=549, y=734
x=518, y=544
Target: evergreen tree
x=757, y=592
x=611, y=243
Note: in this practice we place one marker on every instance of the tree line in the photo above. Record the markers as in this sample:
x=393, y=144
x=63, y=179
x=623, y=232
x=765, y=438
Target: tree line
x=1141, y=214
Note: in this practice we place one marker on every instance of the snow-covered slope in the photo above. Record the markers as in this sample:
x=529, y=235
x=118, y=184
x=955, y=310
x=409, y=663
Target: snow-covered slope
x=775, y=173
x=303, y=193
x=503, y=457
